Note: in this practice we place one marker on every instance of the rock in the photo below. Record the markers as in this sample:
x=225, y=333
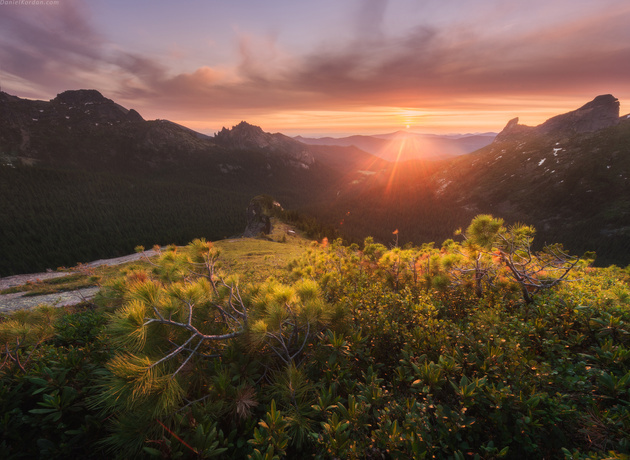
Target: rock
x=602, y=112
x=258, y=220
x=134, y=116
x=249, y=137
x=94, y=107
x=80, y=96
x=511, y=129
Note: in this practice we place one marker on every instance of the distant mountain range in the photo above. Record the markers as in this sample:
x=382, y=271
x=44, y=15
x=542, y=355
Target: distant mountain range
x=404, y=145
x=81, y=168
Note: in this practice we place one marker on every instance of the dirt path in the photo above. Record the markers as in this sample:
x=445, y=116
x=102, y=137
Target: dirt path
x=18, y=300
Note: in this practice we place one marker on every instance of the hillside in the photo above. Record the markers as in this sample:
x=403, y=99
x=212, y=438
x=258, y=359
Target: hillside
x=570, y=177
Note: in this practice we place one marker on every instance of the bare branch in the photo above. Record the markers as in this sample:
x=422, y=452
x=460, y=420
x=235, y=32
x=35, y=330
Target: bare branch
x=192, y=353
x=175, y=352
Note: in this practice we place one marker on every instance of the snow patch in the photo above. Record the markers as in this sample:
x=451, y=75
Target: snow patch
x=227, y=168
x=442, y=187
x=541, y=162
x=555, y=151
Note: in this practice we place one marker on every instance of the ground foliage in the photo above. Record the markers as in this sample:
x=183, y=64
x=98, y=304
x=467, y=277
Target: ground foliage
x=367, y=351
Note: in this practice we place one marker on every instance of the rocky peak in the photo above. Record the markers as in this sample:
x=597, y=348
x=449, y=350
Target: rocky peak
x=94, y=106
x=81, y=96
x=249, y=137
x=511, y=129
x=602, y=112
x=243, y=136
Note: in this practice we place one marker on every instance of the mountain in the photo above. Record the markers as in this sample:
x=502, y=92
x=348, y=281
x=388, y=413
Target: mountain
x=83, y=130
x=403, y=145
x=569, y=175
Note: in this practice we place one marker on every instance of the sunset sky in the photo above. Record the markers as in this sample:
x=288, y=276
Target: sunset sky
x=329, y=67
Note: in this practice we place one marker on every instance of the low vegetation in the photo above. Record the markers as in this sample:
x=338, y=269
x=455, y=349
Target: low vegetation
x=481, y=348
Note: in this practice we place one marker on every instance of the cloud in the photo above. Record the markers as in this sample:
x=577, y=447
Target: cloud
x=430, y=64
x=40, y=45
x=426, y=66
x=369, y=22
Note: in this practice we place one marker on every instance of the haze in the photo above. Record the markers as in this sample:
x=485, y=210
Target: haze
x=324, y=68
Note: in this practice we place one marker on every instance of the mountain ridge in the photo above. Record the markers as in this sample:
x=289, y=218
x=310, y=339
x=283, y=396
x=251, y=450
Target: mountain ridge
x=602, y=112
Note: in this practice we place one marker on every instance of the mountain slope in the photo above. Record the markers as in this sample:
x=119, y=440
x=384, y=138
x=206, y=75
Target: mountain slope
x=570, y=166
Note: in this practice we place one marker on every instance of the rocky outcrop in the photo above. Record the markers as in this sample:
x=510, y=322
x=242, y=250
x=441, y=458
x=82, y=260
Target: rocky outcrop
x=513, y=128
x=248, y=137
x=602, y=112
x=94, y=106
x=258, y=220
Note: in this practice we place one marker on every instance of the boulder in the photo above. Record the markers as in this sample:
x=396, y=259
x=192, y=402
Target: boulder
x=258, y=220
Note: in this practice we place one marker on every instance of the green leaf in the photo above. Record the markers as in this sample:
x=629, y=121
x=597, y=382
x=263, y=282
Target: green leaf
x=41, y=411
x=152, y=451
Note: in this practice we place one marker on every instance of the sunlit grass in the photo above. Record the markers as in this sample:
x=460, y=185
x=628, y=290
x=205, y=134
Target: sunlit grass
x=259, y=258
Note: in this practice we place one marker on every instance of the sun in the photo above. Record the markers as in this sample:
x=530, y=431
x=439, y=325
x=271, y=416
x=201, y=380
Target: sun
x=407, y=126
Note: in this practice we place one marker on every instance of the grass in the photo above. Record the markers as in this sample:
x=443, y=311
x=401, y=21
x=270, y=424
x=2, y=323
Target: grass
x=260, y=258
x=256, y=259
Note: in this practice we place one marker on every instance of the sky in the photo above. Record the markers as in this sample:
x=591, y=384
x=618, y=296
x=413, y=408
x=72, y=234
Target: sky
x=320, y=68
